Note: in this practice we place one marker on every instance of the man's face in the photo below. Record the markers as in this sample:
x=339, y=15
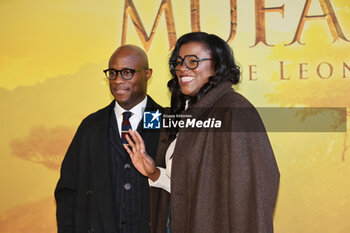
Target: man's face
x=129, y=93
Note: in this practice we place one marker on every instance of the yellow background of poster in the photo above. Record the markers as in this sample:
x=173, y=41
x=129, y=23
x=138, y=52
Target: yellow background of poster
x=52, y=54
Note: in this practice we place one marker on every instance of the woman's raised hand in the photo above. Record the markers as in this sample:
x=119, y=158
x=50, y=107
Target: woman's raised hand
x=139, y=157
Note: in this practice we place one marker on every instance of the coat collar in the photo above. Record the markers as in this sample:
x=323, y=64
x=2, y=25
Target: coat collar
x=99, y=149
x=209, y=99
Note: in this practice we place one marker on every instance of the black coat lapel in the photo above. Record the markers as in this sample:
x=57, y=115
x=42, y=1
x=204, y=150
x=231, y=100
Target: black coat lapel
x=99, y=168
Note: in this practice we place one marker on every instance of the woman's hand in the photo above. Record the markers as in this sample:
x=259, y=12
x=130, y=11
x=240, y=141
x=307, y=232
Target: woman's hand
x=139, y=157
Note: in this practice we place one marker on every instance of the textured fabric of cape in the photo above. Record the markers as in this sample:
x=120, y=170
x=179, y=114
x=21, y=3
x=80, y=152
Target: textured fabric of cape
x=223, y=180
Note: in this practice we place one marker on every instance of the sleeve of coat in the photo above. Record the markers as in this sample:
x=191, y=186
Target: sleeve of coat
x=66, y=189
x=254, y=175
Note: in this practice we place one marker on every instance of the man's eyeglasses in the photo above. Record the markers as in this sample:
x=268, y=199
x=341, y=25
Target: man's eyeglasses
x=126, y=73
x=191, y=62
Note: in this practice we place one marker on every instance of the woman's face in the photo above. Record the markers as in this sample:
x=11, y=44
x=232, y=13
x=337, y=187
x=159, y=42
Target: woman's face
x=191, y=81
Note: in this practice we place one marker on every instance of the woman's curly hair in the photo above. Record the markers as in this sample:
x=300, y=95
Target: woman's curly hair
x=224, y=68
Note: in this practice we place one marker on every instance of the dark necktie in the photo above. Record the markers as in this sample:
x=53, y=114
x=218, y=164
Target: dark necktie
x=126, y=126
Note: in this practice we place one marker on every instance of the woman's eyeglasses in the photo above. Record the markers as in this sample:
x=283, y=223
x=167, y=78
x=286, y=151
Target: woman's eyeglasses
x=190, y=61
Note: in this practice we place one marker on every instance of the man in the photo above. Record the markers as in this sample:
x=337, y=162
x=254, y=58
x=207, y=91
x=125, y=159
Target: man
x=99, y=189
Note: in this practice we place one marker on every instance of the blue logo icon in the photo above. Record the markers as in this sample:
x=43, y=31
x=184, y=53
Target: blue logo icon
x=151, y=120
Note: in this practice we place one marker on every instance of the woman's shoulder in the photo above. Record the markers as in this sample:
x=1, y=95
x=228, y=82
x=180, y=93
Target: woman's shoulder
x=236, y=111
x=233, y=99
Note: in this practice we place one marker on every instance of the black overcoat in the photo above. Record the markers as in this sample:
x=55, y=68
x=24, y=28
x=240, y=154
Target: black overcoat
x=84, y=191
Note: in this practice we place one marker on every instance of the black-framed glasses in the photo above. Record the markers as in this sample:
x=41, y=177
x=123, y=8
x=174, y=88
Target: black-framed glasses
x=126, y=73
x=190, y=61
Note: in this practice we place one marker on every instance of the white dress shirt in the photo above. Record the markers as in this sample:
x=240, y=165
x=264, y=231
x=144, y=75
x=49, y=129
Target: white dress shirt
x=137, y=112
x=165, y=173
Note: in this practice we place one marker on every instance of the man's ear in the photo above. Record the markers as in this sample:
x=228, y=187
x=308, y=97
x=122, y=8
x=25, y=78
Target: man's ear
x=148, y=74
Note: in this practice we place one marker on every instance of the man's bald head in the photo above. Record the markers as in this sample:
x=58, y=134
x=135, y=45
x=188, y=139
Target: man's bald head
x=129, y=93
x=131, y=50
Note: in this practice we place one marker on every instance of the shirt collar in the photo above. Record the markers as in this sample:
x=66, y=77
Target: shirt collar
x=136, y=110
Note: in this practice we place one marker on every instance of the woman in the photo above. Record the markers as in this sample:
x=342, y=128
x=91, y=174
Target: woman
x=222, y=180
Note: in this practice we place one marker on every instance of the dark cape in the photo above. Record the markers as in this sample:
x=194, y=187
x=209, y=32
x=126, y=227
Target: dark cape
x=223, y=180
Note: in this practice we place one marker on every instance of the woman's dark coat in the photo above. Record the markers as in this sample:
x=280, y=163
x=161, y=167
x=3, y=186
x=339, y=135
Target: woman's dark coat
x=222, y=180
